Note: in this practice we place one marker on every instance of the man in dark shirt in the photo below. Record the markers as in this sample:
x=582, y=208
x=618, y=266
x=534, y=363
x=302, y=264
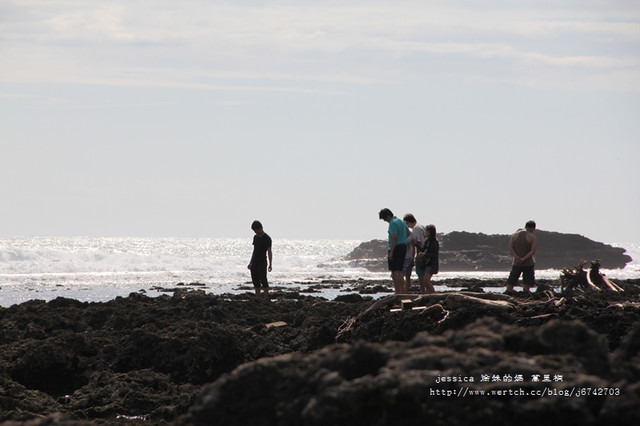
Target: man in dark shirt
x=258, y=263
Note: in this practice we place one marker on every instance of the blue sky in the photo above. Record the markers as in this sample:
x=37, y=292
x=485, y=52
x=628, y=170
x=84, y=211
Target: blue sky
x=192, y=118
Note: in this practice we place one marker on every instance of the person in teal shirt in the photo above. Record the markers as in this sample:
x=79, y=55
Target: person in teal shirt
x=396, y=244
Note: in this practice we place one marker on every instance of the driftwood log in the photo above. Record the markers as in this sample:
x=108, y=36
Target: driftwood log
x=578, y=278
x=452, y=300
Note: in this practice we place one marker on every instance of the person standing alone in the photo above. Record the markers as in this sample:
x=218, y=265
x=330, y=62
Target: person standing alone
x=258, y=263
x=398, y=233
x=523, y=246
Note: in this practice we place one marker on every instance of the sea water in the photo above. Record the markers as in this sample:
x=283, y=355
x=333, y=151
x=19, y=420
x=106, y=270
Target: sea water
x=97, y=269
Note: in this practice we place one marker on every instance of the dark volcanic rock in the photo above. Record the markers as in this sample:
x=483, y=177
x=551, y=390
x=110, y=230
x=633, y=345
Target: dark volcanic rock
x=398, y=383
x=465, y=251
x=146, y=357
x=206, y=359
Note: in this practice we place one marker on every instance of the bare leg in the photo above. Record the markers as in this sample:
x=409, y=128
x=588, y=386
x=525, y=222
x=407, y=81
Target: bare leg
x=428, y=285
x=407, y=284
x=398, y=281
x=421, y=281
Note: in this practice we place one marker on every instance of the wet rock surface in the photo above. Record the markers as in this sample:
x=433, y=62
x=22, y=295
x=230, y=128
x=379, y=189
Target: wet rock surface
x=194, y=358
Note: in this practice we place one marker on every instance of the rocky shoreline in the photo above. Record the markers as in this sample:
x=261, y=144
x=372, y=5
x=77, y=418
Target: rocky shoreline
x=195, y=358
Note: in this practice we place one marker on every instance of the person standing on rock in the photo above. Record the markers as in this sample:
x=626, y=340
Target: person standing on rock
x=258, y=263
x=414, y=242
x=427, y=260
x=523, y=245
x=397, y=247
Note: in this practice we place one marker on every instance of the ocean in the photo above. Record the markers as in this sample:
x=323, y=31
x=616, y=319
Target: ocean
x=95, y=269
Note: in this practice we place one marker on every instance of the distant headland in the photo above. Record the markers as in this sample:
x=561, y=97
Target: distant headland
x=465, y=251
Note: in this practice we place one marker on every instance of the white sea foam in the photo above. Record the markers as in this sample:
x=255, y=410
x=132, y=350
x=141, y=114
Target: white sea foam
x=100, y=269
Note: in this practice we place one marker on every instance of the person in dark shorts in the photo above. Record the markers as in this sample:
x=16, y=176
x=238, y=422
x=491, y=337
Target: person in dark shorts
x=398, y=233
x=523, y=245
x=258, y=263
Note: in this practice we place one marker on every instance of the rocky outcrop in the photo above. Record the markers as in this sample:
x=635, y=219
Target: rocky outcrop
x=513, y=363
x=422, y=381
x=466, y=251
x=142, y=357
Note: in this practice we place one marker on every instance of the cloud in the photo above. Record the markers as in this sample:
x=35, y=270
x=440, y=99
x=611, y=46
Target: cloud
x=307, y=47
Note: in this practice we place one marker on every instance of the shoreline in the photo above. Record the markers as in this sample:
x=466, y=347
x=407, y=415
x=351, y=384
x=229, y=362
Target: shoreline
x=328, y=286
x=100, y=269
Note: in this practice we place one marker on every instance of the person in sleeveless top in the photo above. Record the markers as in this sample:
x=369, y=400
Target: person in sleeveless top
x=522, y=246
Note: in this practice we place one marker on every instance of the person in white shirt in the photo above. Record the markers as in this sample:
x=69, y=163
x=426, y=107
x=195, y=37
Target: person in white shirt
x=414, y=241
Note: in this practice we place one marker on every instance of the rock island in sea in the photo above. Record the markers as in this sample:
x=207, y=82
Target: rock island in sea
x=466, y=251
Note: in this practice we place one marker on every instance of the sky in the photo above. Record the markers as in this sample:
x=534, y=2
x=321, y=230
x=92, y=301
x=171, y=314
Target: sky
x=192, y=118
